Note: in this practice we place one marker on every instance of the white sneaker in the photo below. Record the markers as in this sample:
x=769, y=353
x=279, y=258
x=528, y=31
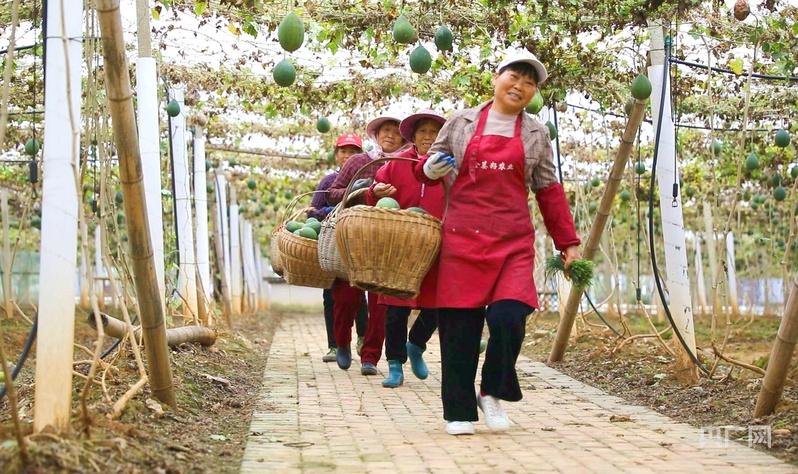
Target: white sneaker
x=457, y=428
x=495, y=417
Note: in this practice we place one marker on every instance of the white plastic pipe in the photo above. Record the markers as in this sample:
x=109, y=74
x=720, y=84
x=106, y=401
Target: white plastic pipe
x=149, y=147
x=201, y=210
x=224, y=224
x=60, y=198
x=731, y=270
x=236, y=283
x=678, y=283
x=187, y=273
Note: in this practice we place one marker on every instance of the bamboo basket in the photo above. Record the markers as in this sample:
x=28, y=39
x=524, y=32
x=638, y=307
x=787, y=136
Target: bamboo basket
x=387, y=251
x=329, y=258
x=274, y=255
x=299, y=255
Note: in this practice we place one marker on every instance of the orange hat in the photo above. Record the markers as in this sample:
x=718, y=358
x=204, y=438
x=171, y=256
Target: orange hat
x=349, y=139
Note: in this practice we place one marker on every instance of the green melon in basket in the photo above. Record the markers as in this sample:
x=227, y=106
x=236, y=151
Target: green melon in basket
x=417, y=209
x=308, y=232
x=388, y=202
x=313, y=224
x=292, y=226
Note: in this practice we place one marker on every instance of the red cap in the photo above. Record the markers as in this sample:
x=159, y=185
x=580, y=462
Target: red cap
x=349, y=139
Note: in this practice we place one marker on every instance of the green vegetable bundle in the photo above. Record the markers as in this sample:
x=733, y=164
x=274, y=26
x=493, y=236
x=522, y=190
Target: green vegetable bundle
x=580, y=273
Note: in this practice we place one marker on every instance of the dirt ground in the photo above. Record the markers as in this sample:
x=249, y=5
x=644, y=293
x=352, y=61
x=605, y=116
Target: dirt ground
x=641, y=372
x=216, y=389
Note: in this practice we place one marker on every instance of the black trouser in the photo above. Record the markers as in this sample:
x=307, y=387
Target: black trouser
x=460, y=331
x=396, y=336
x=360, y=321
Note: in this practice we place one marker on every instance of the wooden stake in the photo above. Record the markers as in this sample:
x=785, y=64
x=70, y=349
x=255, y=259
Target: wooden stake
x=7, y=270
x=141, y=254
x=597, y=228
x=780, y=357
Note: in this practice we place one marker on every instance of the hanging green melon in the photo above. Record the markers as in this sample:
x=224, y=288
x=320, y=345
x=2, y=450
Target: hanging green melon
x=592, y=207
x=552, y=130
x=323, y=125
x=625, y=195
x=751, y=162
x=775, y=180
x=284, y=73
x=331, y=156
x=252, y=184
x=595, y=182
x=209, y=188
x=32, y=147
x=536, y=104
x=118, y=198
x=779, y=194
x=173, y=108
x=420, y=60
x=717, y=147
x=291, y=32
x=794, y=171
x=689, y=191
x=443, y=39
x=403, y=31
x=747, y=195
x=641, y=87
x=782, y=138
x=233, y=161
x=208, y=165
x=640, y=167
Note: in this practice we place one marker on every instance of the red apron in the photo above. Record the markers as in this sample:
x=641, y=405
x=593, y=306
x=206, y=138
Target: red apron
x=487, y=251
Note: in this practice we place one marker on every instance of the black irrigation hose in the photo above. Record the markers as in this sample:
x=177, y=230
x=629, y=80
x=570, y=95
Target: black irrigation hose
x=29, y=343
x=600, y=316
x=23, y=356
x=654, y=268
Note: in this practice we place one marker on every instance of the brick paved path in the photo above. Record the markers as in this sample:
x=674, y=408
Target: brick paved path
x=314, y=417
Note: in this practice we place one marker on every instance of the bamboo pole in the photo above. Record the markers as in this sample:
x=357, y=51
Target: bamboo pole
x=732, y=275
x=597, y=228
x=59, y=231
x=7, y=297
x=174, y=336
x=130, y=173
x=780, y=357
x=701, y=288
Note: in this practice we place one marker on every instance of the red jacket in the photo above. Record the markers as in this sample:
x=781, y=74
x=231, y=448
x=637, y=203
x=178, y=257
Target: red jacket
x=411, y=193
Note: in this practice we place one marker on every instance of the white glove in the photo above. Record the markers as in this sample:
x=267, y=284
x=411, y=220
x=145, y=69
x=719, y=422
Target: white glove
x=438, y=165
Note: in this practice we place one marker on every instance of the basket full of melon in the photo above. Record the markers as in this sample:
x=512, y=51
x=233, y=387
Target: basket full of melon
x=297, y=239
x=387, y=249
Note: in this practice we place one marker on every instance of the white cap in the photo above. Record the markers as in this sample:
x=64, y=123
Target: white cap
x=525, y=57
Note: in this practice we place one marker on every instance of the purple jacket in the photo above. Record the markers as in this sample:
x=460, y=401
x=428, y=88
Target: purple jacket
x=319, y=201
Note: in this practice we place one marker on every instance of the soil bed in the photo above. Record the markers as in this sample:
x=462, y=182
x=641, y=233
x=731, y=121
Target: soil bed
x=216, y=389
x=641, y=372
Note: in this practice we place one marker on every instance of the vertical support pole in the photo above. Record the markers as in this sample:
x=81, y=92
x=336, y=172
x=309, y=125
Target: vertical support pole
x=671, y=213
x=236, y=285
x=60, y=197
x=187, y=273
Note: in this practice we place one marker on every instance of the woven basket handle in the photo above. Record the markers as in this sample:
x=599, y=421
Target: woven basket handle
x=363, y=168
x=293, y=203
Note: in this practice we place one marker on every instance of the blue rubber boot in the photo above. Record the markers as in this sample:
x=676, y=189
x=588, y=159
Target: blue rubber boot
x=396, y=376
x=417, y=363
x=344, y=357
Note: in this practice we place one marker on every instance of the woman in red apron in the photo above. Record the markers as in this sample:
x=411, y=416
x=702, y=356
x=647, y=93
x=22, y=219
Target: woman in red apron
x=497, y=154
